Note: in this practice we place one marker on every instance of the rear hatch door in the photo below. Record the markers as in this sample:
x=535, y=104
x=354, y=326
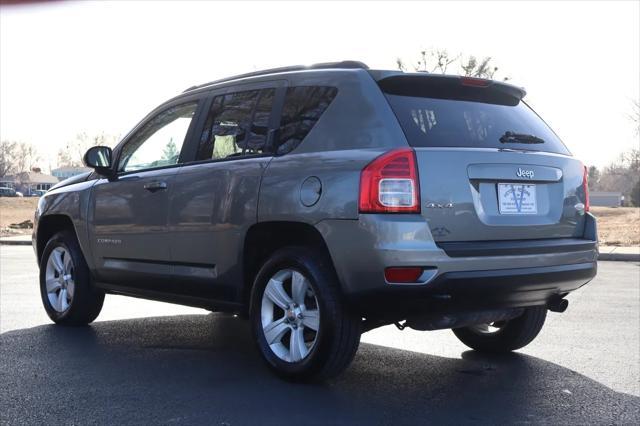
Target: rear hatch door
x=490, y=168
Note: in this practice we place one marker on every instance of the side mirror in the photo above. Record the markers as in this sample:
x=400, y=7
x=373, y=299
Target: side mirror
x=99, y=159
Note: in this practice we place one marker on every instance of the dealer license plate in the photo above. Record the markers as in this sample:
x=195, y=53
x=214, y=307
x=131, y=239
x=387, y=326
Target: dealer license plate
x=515, y=198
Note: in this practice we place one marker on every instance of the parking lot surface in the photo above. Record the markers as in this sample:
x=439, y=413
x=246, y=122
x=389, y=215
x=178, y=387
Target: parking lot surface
x=145, y=362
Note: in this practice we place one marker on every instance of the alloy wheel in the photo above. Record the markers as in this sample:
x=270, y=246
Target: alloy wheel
x=290, y=315
x=59, y=278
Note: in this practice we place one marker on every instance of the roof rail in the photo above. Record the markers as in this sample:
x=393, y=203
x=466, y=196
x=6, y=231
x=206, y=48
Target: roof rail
x=323, y=65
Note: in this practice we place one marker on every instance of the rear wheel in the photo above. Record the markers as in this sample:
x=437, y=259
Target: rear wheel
x=68, y=295
x=504, y=336
x=302, y=327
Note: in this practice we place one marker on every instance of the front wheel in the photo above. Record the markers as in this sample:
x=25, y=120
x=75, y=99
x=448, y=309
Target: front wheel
x=504, y=336
x=302, y=327
x=68, y=295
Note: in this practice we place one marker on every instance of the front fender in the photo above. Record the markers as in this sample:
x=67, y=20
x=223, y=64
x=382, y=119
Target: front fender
x=67, y=204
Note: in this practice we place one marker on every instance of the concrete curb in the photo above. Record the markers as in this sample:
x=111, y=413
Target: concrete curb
x=15, y=242
x=622, y=257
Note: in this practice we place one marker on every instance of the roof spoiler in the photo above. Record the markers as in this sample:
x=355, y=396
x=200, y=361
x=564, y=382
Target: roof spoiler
x=448, y=86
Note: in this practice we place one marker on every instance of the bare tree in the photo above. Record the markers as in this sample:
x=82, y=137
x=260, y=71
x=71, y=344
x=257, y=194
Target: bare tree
x=73, y=152
x=622, y=174
x=432, y=61
x=635, y=115
x=482, y=68
x=594, y=178
x=440, y=61
x=65, y=159
x=27, y=156
x=8, y=155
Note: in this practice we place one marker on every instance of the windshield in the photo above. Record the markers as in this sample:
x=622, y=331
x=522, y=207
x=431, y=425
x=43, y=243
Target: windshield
x=430, y=122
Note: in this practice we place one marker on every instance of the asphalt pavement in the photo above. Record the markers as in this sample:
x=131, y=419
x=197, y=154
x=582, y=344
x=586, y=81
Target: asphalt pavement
x=146, y=362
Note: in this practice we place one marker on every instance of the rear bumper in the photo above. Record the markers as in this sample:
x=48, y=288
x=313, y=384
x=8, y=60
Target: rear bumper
x=521, y=247
x=460, y=276
x=477, y=290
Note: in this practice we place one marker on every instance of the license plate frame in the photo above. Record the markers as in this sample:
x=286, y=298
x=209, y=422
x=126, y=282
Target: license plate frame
x=517, y=199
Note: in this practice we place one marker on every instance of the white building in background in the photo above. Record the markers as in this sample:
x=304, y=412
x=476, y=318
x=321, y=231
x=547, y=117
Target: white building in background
x=29, y=182
x=63, y=173
x=606, y=199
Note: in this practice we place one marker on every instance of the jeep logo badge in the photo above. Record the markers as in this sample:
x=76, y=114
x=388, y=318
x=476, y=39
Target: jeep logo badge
x=524, y=173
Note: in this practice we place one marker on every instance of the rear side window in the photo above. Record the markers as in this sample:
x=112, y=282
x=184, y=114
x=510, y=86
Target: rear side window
x=440, y=122
x=302, y=109
x=237, y=125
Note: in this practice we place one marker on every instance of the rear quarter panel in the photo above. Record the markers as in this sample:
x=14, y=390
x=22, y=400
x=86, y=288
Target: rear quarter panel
x=356, y=127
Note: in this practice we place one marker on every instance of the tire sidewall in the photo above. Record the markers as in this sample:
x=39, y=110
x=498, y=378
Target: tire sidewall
x=315, y=271
x=514, y=335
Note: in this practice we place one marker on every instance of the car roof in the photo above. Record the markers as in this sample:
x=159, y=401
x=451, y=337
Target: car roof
x=379, y=75
x=320, y=66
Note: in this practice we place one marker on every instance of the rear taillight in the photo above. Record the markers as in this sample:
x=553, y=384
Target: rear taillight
x=402, y=275
x=585, y=188
x=389, y=184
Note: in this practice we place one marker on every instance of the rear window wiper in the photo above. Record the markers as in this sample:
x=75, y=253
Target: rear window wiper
x=512, y=137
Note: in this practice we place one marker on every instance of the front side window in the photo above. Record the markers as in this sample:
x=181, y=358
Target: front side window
x=302, y=109
x=160, y=140
x=237, y=125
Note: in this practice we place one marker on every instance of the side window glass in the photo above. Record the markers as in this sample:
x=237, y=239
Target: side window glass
x=302, y=109
x=257, y=136
x=237, y=125
x=160, y=140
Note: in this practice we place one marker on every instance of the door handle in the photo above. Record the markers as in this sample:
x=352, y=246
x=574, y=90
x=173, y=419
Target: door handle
x=155, y=186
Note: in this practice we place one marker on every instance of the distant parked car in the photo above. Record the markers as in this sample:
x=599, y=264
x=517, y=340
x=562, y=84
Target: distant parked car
x=37, y=193
x=7, y=192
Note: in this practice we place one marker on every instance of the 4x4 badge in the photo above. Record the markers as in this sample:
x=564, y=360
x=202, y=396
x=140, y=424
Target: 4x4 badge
x=440, y=206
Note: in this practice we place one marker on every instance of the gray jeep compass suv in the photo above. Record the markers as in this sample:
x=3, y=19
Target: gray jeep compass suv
x=324, y=201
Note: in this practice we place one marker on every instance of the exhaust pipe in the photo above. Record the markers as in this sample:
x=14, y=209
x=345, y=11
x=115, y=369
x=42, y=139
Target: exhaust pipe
x=558, y=304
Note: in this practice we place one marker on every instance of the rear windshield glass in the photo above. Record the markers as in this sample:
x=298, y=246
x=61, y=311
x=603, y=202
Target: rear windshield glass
x=431, y=122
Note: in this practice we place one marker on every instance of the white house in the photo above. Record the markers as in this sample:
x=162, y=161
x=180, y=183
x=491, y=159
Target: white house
x=605, y=199
x=63, y=173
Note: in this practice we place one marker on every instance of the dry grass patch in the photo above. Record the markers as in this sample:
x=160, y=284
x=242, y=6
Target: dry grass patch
x=619, y=226
x=16, y=210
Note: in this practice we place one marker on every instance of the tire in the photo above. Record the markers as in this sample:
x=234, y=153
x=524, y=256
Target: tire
x=71, y=299
x=329, y=349
x=511, y=335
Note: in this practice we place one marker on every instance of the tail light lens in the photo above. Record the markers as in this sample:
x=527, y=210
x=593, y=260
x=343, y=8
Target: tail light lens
x=402, y=275
x=474, y=82
x=585, y=188
x=389, y=184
